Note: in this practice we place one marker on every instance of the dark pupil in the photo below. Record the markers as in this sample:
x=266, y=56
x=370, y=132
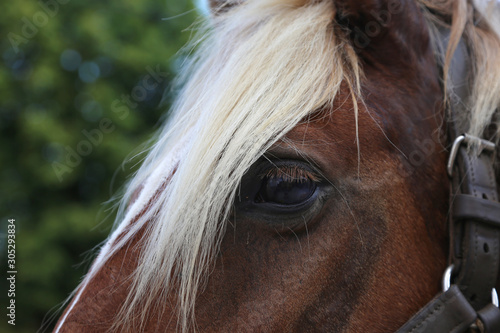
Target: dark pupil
x=286, y=191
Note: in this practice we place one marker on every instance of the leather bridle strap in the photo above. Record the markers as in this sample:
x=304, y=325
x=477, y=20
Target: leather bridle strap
x=451, y=305
x=474, y=227
x=475, y=211
x=476, y=235
x=467, y=207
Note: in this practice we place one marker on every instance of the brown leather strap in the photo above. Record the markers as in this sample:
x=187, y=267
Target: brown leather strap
x=474, y=245
x=448, y=312
x=474, y=228
x=489, y=319
x=478, y=258
x=466, y=207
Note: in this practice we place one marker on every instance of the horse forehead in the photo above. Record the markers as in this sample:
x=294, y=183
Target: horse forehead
x=333, y=131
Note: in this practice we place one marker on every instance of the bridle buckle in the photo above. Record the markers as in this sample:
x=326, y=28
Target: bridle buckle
x=446, y=283
x=467, y=138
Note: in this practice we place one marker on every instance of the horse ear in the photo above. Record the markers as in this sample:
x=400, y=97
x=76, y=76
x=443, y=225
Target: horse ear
x=384, y=31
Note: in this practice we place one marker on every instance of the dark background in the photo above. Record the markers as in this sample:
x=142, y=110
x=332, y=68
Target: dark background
x=73, y=107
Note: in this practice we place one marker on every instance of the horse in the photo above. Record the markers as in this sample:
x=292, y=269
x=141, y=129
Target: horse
x=300, y=183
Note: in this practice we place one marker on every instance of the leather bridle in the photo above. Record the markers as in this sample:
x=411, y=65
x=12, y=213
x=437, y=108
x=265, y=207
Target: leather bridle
x=467, y=301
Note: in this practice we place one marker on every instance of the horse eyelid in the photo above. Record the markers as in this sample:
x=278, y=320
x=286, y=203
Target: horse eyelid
x=290, y=173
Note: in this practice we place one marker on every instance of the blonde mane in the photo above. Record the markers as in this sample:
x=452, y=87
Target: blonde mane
x=259, y=69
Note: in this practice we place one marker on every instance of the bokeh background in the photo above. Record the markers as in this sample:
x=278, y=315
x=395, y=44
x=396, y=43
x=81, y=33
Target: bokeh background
x=81, y=88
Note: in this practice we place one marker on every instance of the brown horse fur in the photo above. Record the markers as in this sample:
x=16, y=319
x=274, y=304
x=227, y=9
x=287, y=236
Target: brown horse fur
x=374, y=254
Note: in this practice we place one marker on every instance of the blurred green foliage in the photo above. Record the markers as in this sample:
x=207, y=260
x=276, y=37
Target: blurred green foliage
x=80, y=88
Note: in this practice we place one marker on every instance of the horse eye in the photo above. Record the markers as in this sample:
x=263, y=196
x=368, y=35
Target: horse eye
x=284, y=190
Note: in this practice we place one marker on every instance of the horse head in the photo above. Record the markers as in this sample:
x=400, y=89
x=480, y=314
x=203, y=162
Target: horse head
x=300, y=184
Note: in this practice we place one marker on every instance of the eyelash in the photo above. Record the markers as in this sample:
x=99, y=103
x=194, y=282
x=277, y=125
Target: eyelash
x=290, y=173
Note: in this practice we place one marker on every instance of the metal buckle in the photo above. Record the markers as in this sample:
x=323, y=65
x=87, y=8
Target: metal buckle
x=467, y=138
x=447, y=283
